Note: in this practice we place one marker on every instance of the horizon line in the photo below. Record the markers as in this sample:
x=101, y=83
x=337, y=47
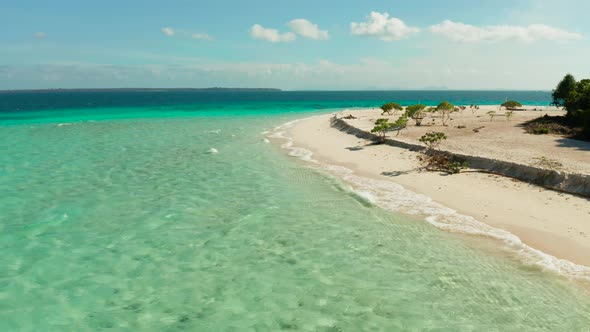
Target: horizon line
x=258, y=89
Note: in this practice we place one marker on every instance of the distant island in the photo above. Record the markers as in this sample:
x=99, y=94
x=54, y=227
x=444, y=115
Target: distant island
x=142, y=90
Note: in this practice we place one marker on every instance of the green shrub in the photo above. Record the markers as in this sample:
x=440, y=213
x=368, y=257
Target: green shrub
x=432, y=139
x=455, y=167
x=575, y=98
x=391, y=108
x=492, y=114
x=445, y=109
x=381, y=127
x=511, y=104
x=416, y=112
x=509, y=115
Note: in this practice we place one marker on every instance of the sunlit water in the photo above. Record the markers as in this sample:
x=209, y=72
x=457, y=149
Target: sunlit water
x=135, y=224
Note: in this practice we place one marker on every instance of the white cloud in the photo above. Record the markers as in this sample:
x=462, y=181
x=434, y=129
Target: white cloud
x=168, y=31
x=257, y=31
x=461, y=32
x=201, y=36
x=307, y=29
x=40, y=35
x=381, y=26
x=172, y=32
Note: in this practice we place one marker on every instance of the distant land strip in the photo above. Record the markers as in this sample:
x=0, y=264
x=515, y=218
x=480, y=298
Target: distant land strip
x=142, y=90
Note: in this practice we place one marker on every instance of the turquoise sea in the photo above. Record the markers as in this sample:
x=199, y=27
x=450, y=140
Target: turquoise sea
x=116, y=214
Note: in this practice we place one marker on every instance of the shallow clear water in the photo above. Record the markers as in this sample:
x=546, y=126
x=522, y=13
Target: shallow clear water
x=132, y=224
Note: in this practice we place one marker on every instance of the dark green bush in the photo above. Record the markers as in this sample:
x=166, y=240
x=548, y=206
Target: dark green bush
x=511, y=104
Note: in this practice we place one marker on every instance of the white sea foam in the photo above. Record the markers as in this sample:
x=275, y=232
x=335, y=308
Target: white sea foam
x=213, y=150
x=394, y=197
x=64, y=124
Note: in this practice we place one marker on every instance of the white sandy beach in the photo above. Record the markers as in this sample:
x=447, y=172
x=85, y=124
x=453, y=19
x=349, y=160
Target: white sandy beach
x=555, y=223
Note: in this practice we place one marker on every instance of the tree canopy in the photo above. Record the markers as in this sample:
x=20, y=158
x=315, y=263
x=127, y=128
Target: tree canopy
x=445, y=109
x=413, y=109
x=445, y=106
x=389, y=107
x=416, y=112
x=511, y=104
x=575, y=97
x=563, y=90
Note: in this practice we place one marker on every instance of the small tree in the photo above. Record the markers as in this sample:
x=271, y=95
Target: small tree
x=509, y=115
x=445, y=109
x=391, y=108
x=400, y=123
x=416, y=112
x=432, y=140
x=563, y=90
x=435, y=160
x=381, y=127
x=511, y=104
x=492, y=114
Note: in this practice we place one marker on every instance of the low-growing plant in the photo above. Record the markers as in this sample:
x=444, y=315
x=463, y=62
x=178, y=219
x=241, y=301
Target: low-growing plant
x=511, y=104
x=391, y=108
x=556, y=125
x=435, y=160
x=509, y=115
x=455, y=167
x=547, y=163
x=438, y=161
x=433, y=139
x=492, y=114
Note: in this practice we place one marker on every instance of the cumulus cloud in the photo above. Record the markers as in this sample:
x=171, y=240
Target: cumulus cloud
x=382, y=26
x=257, y=31
x=460, y=32
x=168, y=31
x=307, y=29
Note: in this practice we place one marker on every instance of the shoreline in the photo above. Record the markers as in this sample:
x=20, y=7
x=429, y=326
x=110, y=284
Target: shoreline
x=544, y=227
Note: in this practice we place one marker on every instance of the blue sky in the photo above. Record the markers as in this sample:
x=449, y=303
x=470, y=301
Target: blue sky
x=329, y=44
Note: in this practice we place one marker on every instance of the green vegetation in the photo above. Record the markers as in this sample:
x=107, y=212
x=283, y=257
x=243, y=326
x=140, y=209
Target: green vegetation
x=574, y=96
x=509, y=115
x=557, y=125
x=433, y=139
x=400, y=123
x=511, y=104
x=416, y=112
x=391, y=108
x=492, y=114
x=382, y=126
x=435, y=160
x=563, y=90
x=547, y=163
x=445, y=109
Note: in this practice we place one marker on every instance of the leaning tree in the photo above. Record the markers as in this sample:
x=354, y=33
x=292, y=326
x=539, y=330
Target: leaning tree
x=391, y=108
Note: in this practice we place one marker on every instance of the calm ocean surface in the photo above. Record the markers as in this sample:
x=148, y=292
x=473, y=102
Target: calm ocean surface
x=115, y=216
